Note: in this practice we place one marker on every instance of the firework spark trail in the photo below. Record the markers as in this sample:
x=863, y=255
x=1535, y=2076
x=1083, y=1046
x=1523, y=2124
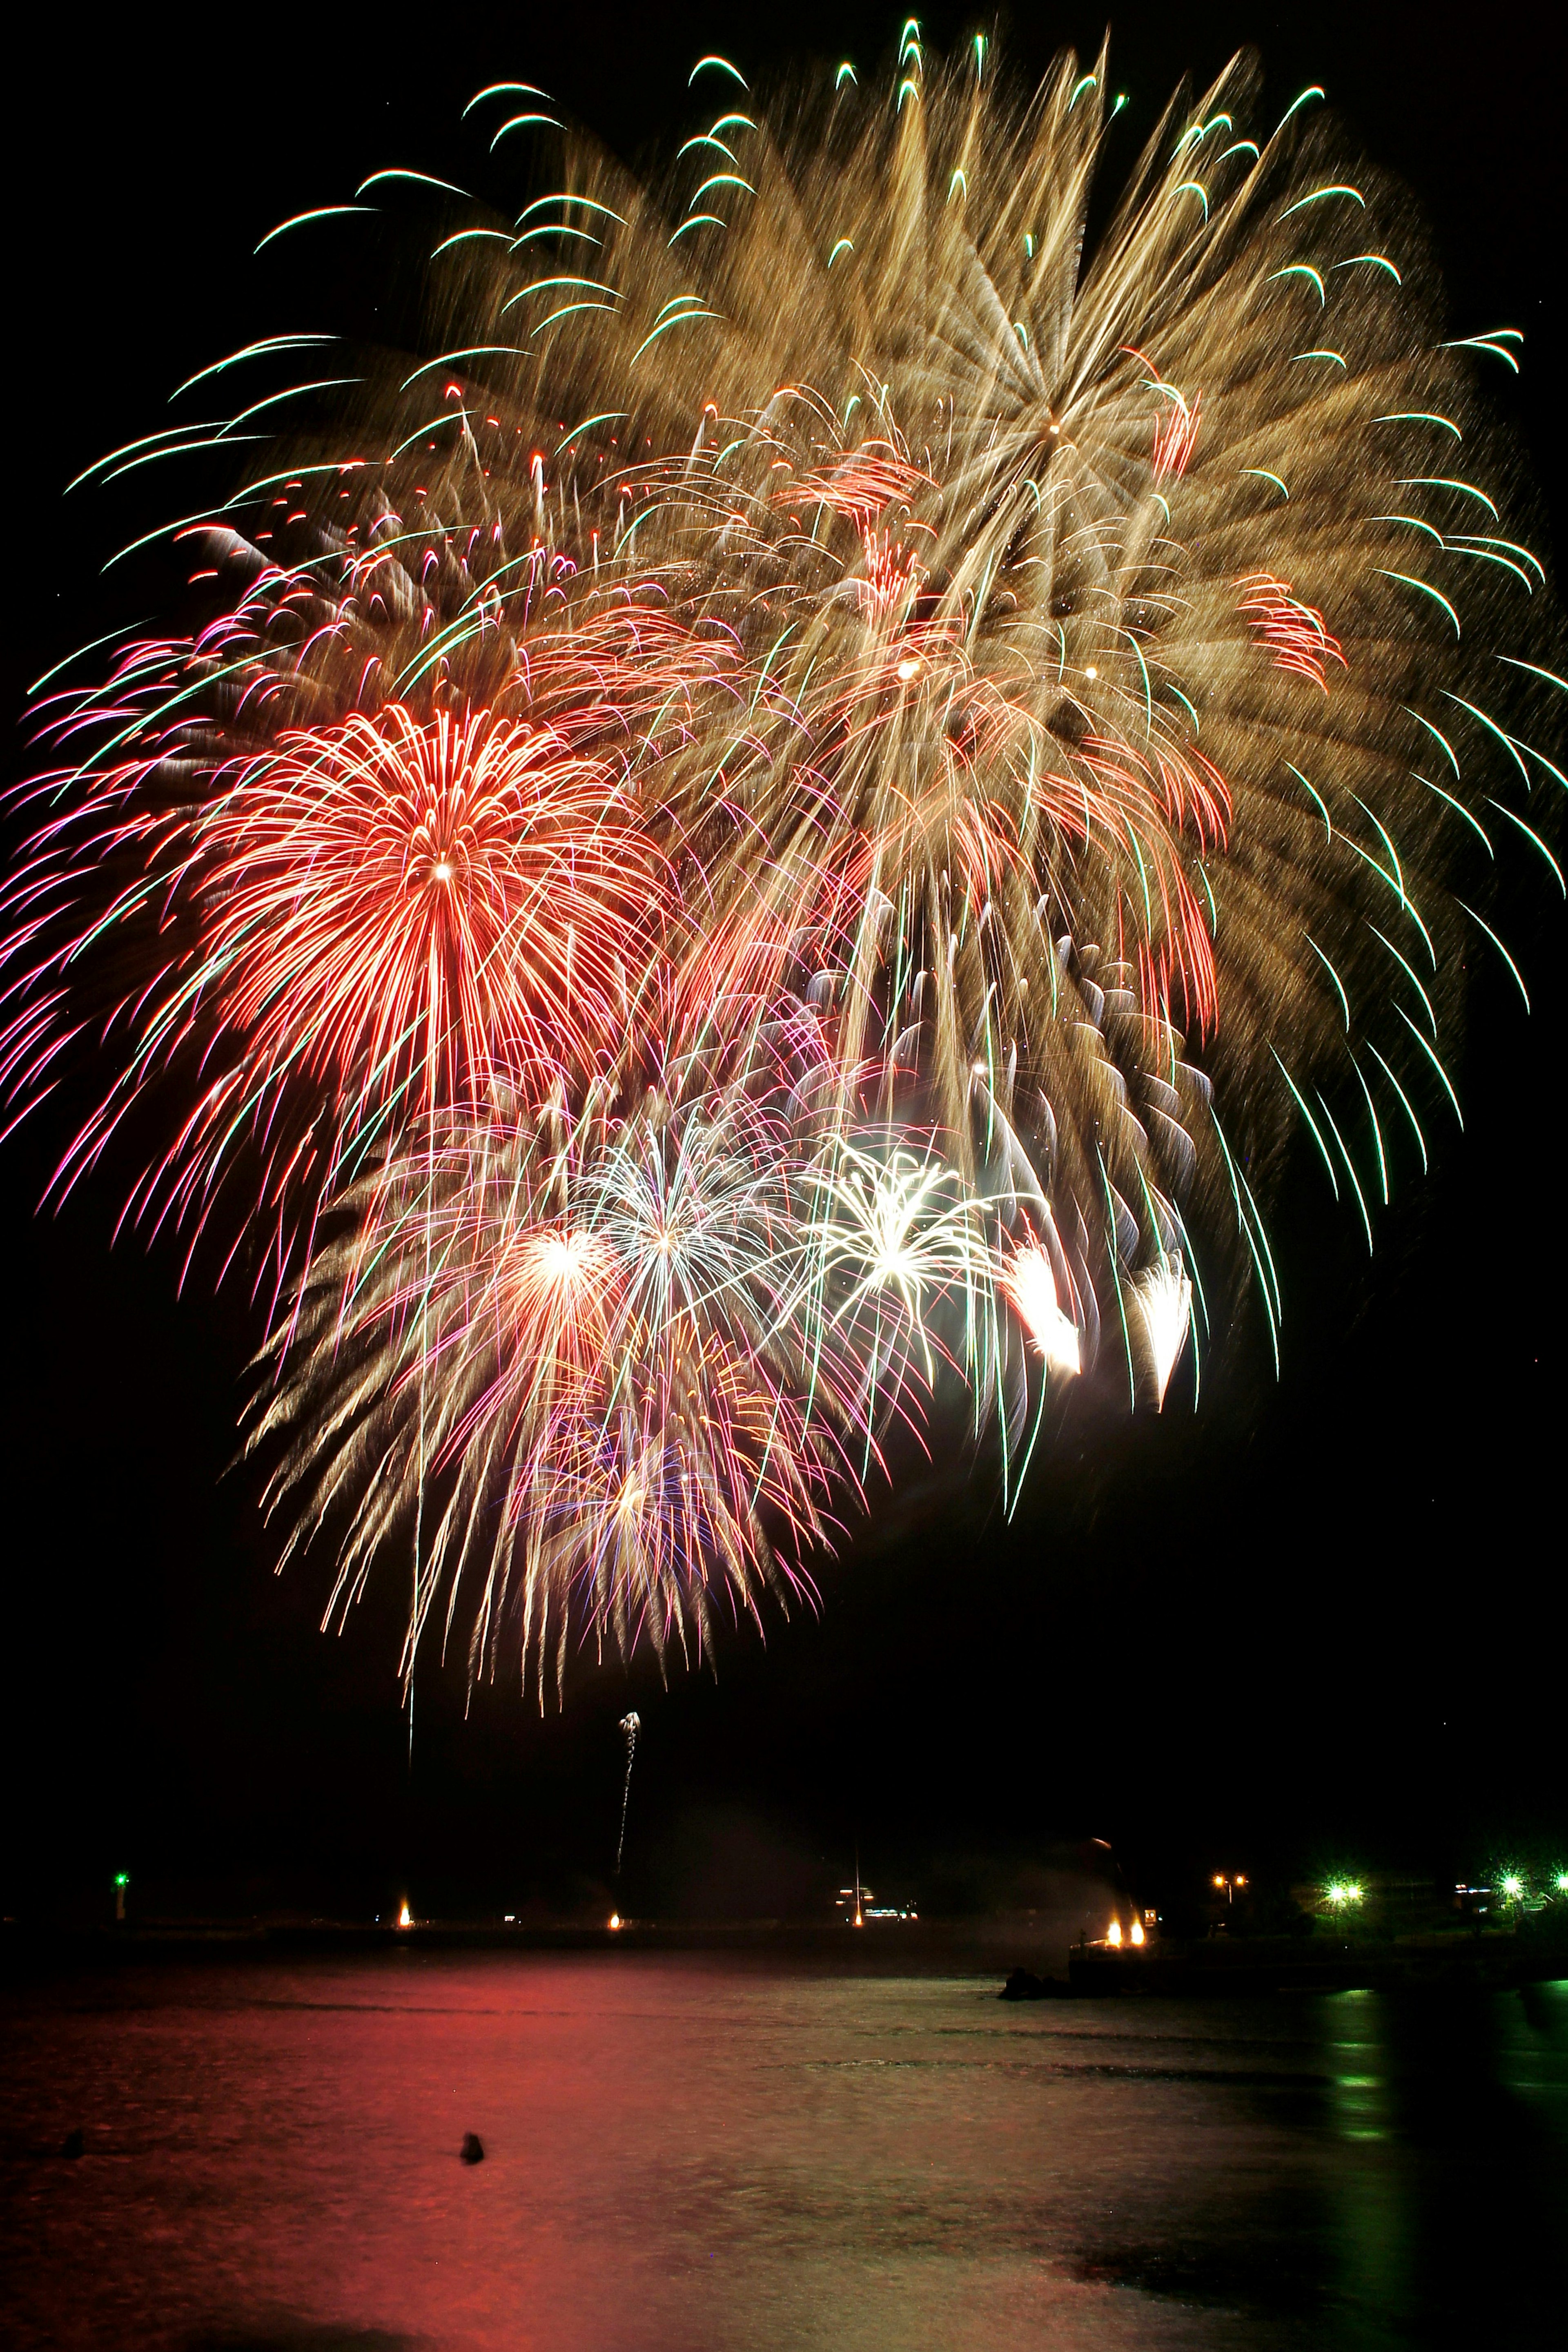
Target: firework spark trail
x=631, y=1724
x=796, y=817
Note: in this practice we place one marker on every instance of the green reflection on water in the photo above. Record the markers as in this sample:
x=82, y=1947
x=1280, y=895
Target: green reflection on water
x=1374, y=2238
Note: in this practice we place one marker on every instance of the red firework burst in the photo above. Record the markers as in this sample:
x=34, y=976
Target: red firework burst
x=403, y=906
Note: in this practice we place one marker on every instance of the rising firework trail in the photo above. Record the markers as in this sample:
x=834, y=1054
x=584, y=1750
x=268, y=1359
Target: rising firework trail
x=767, y=844
x=631, y=1724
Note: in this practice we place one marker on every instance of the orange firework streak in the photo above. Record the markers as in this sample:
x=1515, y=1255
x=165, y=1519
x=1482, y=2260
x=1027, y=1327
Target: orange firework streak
x=1175, y=429
x=1176, y=438
x=1294, y=633
x=867, y=481
x=1146, y=802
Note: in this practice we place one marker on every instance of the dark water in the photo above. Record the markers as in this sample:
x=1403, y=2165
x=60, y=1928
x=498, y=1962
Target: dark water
x=685, y=2153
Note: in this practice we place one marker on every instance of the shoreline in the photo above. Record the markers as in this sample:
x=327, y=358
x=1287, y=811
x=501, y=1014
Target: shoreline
x=1213, y=1967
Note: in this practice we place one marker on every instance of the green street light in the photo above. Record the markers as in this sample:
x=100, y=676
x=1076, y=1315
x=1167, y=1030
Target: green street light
x=1341, y=1892
x=122, y=1878
x=1514, y=1895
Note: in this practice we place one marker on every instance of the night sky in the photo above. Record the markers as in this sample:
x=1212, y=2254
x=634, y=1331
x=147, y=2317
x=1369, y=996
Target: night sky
x=1321, y=1626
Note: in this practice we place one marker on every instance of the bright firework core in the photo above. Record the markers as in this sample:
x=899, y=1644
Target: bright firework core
x=772, y=858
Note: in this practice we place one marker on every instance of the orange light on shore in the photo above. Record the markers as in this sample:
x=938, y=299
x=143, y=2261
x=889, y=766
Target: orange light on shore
x=615, y=1919
x=1113, y=1932
x=405, y=1917
x=1137, y=1931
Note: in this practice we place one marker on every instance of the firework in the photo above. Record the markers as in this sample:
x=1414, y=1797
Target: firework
x=1029, y=1281
x=321, y=932
x=1129, y=729
x=590, y=1337
x=631, y=1724
x=792, y=821
x=898, y=1249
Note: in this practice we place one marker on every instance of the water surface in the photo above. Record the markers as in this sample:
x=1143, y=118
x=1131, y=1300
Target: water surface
x=693, y=2153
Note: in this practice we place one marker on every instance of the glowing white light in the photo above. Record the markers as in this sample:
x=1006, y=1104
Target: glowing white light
x=906, y=670
x=1113, y=1932
x=1137, y=1932
x=1162, y=1296
x=904, y=1232
x=405, y=1918
x=1030, y=1282
x=563, y=1256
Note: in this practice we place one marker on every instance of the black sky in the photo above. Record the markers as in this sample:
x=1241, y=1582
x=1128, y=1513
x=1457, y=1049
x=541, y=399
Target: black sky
x=1323, y=1625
